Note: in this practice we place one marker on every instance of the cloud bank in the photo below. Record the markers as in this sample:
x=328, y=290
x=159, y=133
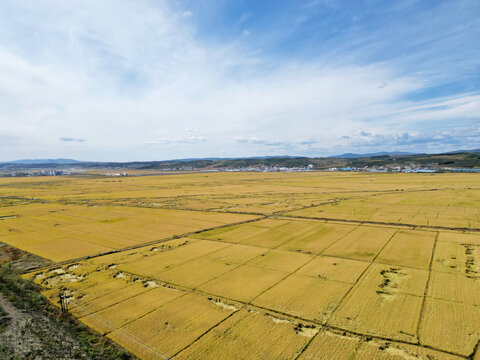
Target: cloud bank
x=144, y=82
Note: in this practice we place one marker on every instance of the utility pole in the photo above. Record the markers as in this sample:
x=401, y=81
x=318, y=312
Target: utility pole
x=62, y=300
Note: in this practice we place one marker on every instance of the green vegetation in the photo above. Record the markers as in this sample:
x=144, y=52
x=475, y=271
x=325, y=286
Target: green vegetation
x=457, y=160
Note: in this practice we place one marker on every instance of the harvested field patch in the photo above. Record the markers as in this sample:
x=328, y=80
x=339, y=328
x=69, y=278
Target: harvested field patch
x=237, y=254
x=285, y=261
x=455, y=287
x=363, y=243
x=196, y=272
x=409, y=248
x=450, y=326
x=304, y=296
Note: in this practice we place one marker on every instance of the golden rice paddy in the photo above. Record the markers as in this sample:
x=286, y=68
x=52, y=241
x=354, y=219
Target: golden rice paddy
x=260, y=265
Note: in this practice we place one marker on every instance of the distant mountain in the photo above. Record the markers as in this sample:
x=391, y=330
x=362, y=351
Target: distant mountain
x=43, y=161
x=474, y=151
x=357, y=156
x=460, y=158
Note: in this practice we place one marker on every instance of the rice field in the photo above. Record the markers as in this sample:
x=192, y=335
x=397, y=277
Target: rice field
x=260, y=266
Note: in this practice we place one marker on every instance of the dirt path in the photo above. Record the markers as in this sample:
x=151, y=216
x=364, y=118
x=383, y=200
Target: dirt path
x=32, y=336
x=14, y=341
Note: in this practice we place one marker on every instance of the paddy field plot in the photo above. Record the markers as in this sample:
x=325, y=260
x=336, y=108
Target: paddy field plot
x=304, y=296
x=387, y=302
x=335, y=269
x=409, y=248
x=260, y=266
x=363, y=243
x=450, y=325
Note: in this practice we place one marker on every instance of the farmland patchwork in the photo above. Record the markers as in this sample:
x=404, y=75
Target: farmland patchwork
x=260, y=266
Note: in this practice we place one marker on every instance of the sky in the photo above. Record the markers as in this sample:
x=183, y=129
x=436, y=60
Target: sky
x=118, y=80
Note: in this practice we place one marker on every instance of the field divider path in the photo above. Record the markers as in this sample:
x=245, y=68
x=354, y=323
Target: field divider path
x=476, y=352
x=319, y=254
x=390, y=224
x=305, y=347
x=427, y=286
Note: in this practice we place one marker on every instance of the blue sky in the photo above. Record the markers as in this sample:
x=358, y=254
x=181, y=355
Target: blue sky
x=151, y=80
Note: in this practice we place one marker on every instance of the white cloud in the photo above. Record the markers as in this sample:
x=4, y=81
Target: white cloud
x=254, y=140
x=71, y=139
x=277, y=143
x=186, y=14
x=178, y=140
x=459, y=138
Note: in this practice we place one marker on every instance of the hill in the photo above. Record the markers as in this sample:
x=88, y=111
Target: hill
x=463, y=159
